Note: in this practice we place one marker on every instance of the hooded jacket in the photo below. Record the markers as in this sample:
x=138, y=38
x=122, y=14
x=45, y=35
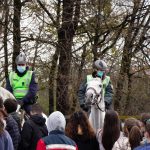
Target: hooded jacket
x=33, y=130
x=56, y=140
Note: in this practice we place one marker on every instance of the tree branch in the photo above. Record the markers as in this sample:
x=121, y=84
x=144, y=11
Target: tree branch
x=48, y=13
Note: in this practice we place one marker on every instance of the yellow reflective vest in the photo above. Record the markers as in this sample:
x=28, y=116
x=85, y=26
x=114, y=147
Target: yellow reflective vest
x=20, y=85
x=105, y=81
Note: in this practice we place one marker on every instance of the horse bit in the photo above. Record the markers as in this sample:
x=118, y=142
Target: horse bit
x=96, y=98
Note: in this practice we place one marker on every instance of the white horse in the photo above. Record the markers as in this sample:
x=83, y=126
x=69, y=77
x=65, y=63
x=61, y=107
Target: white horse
x=4, y=94
x=95, y=98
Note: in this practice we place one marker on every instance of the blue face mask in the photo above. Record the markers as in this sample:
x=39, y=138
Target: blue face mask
x=21, y=69
x=100, y=74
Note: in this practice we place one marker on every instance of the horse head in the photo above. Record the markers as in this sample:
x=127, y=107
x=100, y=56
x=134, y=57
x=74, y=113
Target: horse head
x=93, y=91
x=94, y=98
x=4, y=94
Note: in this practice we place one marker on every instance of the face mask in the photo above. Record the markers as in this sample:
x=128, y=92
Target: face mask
x=21, y=69
x=100, y=74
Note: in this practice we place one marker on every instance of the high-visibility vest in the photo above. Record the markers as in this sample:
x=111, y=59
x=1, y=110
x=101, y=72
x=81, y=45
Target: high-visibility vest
x=20, y=85
x=105, y=82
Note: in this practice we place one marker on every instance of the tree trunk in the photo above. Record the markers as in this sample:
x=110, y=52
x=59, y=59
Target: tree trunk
x=81, y=66
x=53, y=69
x=98, y=23
x=5, y=37
x=16, y=31
x=124, y=75
x=65, y=39
x=52, y=79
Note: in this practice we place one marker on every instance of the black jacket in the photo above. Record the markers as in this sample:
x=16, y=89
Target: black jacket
x=17, y=119
x=33, y=130
x=13, y=130
x=86, y=144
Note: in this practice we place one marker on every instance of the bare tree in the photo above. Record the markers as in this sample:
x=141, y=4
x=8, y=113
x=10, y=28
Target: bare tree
x=5, y=37
x=16, y=31
x=70, y=18
x=138, y=25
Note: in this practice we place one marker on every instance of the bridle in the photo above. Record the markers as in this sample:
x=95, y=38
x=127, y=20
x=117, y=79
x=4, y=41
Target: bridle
x=96, y=102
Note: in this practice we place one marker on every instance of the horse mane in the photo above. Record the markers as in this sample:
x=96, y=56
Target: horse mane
x=94, y=81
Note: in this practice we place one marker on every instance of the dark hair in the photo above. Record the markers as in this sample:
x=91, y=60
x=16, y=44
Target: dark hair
x=79, y=119
x=135, y=137
x=3, y=113
x=1, y=126
x=1, y=102
x=10, y=105
x=147, y=126
x=36, y=108
x=145, y=117
x=129, y=123
x=111, y=129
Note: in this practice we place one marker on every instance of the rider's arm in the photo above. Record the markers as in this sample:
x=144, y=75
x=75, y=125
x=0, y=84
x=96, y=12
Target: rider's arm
x=81, y=92
x=33, y=88
x=8, y=86
x=108, y=94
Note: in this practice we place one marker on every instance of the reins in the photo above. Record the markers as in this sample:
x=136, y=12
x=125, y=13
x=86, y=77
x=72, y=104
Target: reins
x=96, y=97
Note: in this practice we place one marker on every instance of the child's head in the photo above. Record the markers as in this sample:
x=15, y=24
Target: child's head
x=132, y=131
x=36, y=109
x=147, y=129
x=56, y=121
x=111, y=129
x=144, y=118
x=1, y=102
x=129, y=123
x=79, y=124
x=10, y=105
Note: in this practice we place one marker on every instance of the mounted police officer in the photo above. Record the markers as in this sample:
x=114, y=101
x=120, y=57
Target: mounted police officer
x=22, y=84
x=100, y=71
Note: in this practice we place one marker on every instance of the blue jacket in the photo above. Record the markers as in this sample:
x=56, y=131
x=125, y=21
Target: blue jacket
x=107, y=97
x=143, y=147
x=33, y=87
x=6, y=141
x=56, y=140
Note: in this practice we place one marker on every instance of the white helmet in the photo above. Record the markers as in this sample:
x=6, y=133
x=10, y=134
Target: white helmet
x=100, y=64
x=21, y=58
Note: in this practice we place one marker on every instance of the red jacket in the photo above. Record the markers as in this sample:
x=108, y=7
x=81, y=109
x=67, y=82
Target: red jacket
x=56, y=141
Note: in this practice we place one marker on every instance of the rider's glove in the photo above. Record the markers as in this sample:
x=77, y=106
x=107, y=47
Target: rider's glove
x=20, y=102
x=107, y=105
x=84, y=107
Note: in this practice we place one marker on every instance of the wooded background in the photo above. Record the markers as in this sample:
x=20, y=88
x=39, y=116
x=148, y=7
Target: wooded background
x=62, y=38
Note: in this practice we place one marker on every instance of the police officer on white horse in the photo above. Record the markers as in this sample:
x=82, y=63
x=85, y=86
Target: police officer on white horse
x=22, y=84
x=100, y=71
